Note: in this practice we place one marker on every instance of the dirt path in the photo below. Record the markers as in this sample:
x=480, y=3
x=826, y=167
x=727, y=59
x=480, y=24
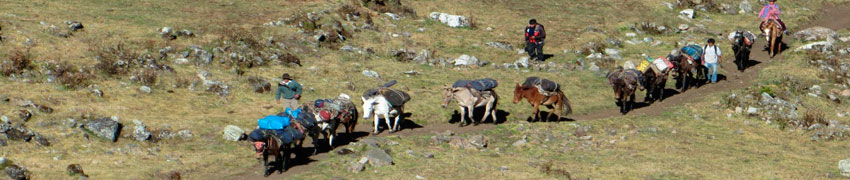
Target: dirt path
x=834, y=18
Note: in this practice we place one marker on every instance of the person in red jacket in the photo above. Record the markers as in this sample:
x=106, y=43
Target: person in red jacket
x=534, y=36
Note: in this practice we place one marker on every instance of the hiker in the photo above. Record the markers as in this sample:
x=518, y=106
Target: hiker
x=711, y=59
x=534, y=36
x=770, y=11
x=289, y=90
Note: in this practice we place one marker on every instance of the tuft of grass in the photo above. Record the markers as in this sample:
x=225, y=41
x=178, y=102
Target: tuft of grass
x=18, y=62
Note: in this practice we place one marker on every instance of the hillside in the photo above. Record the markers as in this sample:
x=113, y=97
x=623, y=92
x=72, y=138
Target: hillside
x=185, y=85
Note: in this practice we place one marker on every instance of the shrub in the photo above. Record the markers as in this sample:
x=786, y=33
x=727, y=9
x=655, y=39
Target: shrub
x=146, y=76
x=69, y=75
x=115, y=60
x=19, y=61
x=812, y=117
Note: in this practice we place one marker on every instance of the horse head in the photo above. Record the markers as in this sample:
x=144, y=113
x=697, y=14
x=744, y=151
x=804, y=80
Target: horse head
x=368, y=106
x=518, y=93
x=448, y=94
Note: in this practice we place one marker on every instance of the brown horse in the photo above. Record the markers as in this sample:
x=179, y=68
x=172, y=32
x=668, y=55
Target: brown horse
x=557, y=102
x=773, y=30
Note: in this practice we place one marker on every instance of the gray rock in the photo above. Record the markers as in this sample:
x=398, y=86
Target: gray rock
x=728, y=9
x=428, y=155
x=823, y=46
x=520, y=143
x=378, y=158
x=844, y=167
x=185, y=33
x=504, y=168
x=816, y=89
x=185, y=134
x=523, y=62
x=106, y=128
x=358, y=166
x=466, y=60
x=74, y=26
x=688, y=13
x=815, y=34
x=613, y=53
x=393, y=16
x=371, y=74
x=219, y=88
x=423, y=57
x=140, y=132
x=233, y=133
x=668, y=5
x=16, y=172
x=593, y=67
x=745, y=7
x=752, y=110
x=501, y=45
x=145, y=89
x=454, y=21
x=684, y=27
x=4, y=119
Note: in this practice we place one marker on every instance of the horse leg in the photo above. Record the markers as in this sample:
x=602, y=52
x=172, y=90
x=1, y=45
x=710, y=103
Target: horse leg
x=471, y=113
x=397, y=118
x=487, y=111
x=536, y=112
x=377, y=122
x=389, y=121
x=462, y=117
x=286, y=151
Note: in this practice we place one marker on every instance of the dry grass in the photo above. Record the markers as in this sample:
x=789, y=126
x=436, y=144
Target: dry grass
x=19, y=61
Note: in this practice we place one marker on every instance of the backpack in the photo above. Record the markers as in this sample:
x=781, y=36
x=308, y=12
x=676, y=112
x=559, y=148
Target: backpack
x=273, y=122
x=706, y=46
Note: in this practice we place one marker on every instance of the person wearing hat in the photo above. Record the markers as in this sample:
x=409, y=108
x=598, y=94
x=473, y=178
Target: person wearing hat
x=711, y=59
x=534, y=36
x=289, y=90
x=770, y=11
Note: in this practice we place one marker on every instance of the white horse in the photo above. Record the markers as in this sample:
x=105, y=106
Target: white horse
x=378, y=105
x=466, y=100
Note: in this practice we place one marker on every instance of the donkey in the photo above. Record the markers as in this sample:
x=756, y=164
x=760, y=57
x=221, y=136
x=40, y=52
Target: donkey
x=741, y=45
x=281, y=152
x=773, y=30
x=682, y=67
x=624, y=83
x=347, y=116
x=654, y=85
x=466, y=100
x=378, y=105
x=557, y=102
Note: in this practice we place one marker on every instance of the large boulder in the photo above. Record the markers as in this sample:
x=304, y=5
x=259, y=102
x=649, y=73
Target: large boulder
x=106, y=128
x=816, y=34
x=844, y=167
x=233, y=133
x=16, y=172
x=378, y=158
x=454, y=21
x=745, y=7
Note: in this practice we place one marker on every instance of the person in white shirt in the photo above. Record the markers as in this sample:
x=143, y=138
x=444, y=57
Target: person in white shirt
x=711, y=59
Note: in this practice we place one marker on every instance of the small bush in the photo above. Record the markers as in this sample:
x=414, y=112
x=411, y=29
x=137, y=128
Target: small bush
x=388, y=6
x=812, y=117
x=19, y=61
x=78, y=79
x=147, y=76
x=182, y=82
x=289, y=59
x=115, y=60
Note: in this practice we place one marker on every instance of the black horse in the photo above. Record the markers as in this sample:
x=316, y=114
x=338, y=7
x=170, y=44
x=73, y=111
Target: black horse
x=654, y=85
x=741, y=46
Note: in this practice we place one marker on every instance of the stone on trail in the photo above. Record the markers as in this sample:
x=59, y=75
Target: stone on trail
x=233, y=133
x=378, y=158
x=106, y=128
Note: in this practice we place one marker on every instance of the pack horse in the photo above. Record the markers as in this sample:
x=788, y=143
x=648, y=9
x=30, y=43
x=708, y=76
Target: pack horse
x=471, y=94
x=387, y=102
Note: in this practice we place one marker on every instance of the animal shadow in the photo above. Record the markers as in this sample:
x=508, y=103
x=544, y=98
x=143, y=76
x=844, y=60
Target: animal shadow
x=546, y=116
x=501, y=116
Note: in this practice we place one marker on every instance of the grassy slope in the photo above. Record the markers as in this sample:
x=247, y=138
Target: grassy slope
x=135, y=22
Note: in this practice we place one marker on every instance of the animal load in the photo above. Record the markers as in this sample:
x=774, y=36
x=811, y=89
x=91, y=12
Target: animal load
x=395, y=97
x=695, y=51
x=279, y=127
x=478, y=84
x=542, y=84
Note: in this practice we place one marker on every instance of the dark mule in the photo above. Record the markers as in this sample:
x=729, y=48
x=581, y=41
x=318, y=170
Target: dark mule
x=683, y=70
x=654, y=85
x=624, y=83
x=773, y=30
x=281, y=153
x=741, y=45
x=557, y=102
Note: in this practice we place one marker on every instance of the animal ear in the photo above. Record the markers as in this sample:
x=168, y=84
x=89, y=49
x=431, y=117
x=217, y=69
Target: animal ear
x=517, y=84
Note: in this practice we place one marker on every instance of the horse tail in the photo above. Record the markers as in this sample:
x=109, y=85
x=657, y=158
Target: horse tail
x=565, y=106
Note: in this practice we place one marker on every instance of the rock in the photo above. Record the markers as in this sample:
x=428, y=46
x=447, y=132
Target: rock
x=501, y=45
x=219, y=88
x=815, y=34
x=419, y=177
x=739, y=110
x=74, y=26
x=845, y=93
x=379, y=158
x=165, y=33
x=522, y=62
x=16, y=172
x=370, y=73
x=752, y=110
x=181, y=61
x=185, y=134
x=613, y=53
x=614, y=42
x=140, y=133
x=593, y=67
x=728, y=9
x=844, y=167
x=41, y=140
x=821, y=45
x=668, y=5
x=816, y=89
x=454, y=21
x=631, y=35
x=24, y=115
x=358, y=166
x=344, y=151
x=393, y=16
x=428, y=155
x=75, y=170
x=423, y=57
x=466, y=60
x=520, y=143
x=689, y=13
x=185, y=33
x=684, y=27
x=106, y=128
x=233, y=133
x=259, y=84
x=145, y=89
x=745, y=7
x=5, y=119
